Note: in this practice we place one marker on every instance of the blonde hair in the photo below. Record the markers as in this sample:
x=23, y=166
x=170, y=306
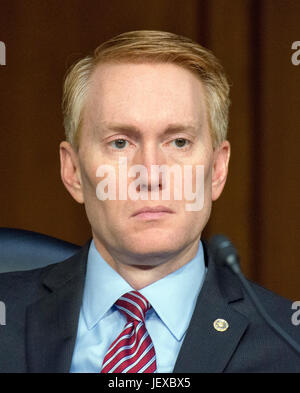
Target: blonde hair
x=149, y=46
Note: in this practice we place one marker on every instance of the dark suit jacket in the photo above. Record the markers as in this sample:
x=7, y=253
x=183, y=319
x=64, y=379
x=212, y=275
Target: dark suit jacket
x=42, y=312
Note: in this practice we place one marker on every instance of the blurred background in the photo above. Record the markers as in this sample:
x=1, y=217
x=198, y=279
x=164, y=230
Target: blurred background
x=259, y=209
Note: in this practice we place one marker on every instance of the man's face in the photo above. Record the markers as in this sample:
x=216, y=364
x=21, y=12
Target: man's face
x=148, y=114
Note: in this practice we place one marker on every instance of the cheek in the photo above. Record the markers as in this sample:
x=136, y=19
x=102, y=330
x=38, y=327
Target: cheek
x=199, y=200
x=208, y=180
x=91, y=174
x=89, y=182
x=202, y=177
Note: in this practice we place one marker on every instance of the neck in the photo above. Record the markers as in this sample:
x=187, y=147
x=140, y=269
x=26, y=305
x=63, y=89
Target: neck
x=140, y=274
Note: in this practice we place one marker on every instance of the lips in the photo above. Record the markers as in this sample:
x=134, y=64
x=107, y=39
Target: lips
x=153, y=212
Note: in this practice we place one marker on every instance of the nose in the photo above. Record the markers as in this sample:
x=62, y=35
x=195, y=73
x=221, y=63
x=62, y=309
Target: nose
x=151, y=158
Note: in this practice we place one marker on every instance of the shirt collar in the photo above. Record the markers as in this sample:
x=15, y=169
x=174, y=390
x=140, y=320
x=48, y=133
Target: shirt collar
x=103, y=287
x=173, y=297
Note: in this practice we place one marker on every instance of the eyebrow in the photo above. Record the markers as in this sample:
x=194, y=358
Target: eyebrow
x=131, y=129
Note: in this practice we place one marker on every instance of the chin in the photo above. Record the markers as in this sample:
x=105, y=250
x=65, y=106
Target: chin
x=155, y=243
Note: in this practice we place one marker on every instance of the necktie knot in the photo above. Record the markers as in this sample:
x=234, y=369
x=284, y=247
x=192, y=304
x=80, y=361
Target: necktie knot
x=133, y=305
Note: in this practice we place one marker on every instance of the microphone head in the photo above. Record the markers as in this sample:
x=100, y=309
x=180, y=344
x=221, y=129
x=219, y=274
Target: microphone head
x=223, y=251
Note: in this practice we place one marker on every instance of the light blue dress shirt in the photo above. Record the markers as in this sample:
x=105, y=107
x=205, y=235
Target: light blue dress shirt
x=173, y=299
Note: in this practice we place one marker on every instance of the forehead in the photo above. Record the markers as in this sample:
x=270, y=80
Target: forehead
x=144, y=93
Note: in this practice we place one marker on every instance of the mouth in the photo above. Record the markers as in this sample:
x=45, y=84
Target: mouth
x=152, y=213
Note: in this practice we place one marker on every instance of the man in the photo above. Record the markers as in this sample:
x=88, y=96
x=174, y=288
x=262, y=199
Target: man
x=144, y=295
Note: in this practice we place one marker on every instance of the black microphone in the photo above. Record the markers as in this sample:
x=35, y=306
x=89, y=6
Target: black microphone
x=224, y=253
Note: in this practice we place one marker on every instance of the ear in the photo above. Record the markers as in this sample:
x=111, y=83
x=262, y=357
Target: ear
x=70, y=171
x=220, y=169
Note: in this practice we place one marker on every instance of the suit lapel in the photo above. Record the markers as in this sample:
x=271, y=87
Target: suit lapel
x=52, y=321
x=206, y=350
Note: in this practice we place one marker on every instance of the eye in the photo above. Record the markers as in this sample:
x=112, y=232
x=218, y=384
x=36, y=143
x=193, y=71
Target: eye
x=181, y=142
x=119, y=144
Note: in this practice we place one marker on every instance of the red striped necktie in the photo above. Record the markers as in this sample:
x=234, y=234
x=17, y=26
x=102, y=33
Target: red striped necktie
x=133, y=350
